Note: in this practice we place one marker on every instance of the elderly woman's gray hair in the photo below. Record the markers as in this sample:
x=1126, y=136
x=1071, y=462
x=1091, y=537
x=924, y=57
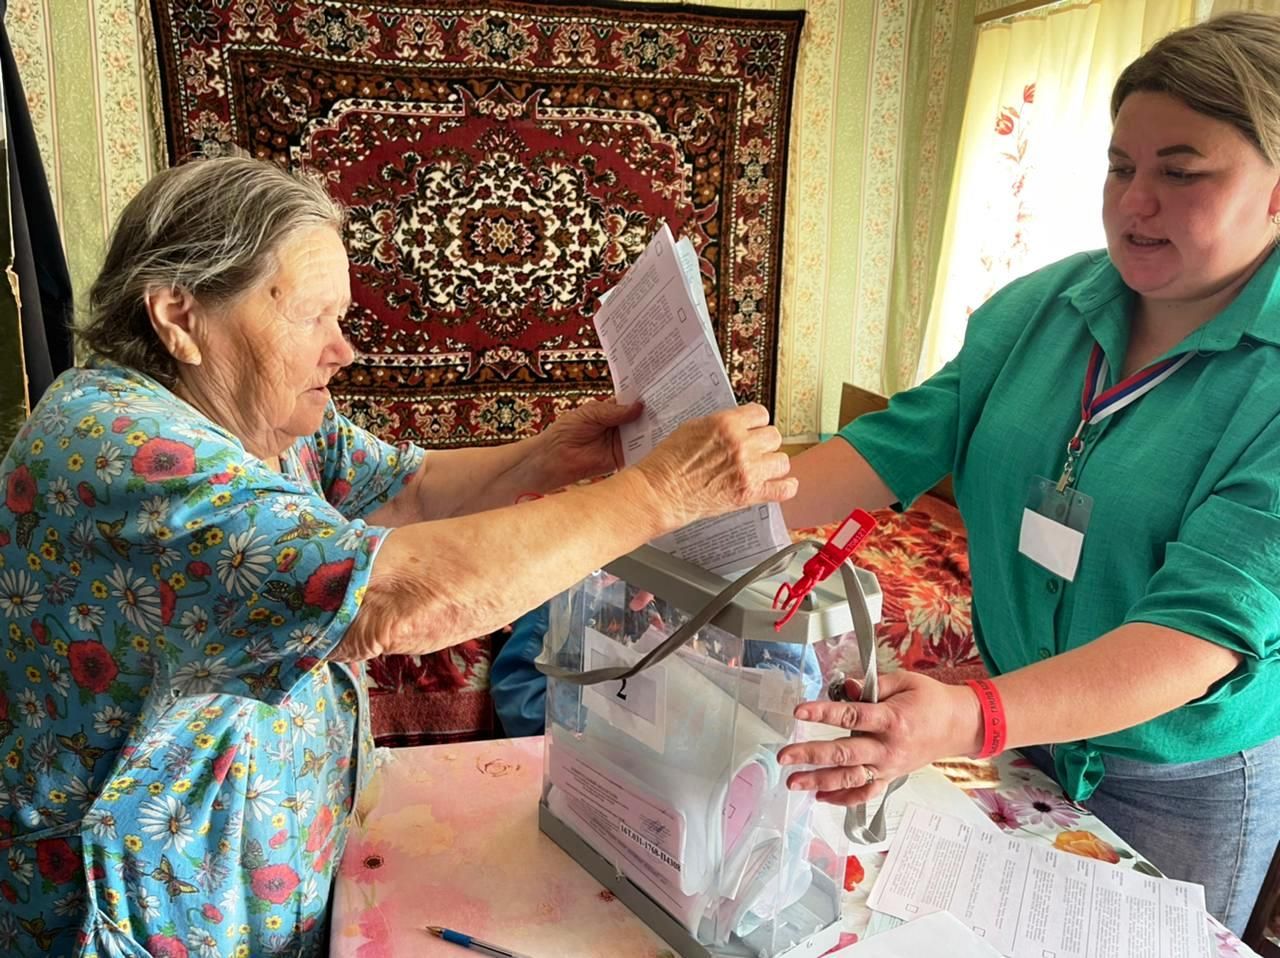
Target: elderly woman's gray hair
x=210, y=227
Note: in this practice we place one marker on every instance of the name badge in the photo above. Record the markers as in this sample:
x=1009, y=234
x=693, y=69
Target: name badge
x=1053, y=527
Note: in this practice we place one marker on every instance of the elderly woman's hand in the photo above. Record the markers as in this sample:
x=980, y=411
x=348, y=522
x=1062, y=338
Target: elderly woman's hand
x=916, y=721
x=719, y=463
x=585, y=442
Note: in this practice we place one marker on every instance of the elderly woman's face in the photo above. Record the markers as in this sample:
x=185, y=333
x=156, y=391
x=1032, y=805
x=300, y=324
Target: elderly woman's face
x=1187, y=202
x=268, y=357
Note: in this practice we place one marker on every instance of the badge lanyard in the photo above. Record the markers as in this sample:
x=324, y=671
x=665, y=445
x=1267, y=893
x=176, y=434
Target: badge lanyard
x=1098, y=402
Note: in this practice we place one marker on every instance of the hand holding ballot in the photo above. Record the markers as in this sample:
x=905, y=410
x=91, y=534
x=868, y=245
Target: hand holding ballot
x=657, y=335
x=728, y=460
x=717, y=463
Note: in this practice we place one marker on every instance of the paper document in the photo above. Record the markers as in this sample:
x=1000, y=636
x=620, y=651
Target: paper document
x=1028, y=900
x=657, y=336
x=935, y=934
x=929, y=788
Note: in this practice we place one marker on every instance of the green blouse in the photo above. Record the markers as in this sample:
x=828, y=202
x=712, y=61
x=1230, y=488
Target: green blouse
x=1185, y=482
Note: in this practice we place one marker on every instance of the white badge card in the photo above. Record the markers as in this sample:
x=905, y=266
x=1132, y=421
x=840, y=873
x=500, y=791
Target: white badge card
x=1053, y=527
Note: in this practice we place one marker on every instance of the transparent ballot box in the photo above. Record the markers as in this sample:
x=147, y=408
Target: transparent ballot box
x=665, y=784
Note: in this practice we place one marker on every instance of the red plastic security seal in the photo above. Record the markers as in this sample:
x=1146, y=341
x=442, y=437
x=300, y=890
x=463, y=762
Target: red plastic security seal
x=842, y=543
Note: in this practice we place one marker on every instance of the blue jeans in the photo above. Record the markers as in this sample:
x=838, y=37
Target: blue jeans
x=1216, y=823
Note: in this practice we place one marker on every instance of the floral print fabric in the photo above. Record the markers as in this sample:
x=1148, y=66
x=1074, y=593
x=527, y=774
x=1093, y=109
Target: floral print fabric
x=920, y=557
x=177, y=758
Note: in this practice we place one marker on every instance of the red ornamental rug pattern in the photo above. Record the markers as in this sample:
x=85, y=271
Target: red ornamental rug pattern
x=503, y=163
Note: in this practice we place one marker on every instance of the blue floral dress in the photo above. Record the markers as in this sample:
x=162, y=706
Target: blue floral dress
x=178, y=760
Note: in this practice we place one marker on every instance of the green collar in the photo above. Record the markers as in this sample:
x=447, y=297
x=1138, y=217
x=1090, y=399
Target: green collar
x=1106, y=304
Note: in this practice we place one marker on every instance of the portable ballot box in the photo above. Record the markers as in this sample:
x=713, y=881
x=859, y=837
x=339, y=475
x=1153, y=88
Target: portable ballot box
x=665, y=785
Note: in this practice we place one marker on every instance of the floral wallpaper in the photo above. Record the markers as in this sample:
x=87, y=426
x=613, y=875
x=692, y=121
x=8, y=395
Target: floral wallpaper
x=875, y=120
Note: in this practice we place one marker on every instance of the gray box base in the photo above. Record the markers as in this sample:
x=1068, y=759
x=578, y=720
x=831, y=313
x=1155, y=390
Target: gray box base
x=652, y=914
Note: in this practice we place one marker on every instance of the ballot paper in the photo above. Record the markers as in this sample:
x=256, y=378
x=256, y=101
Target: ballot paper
x=935, y=934
x=1028, y=900
x=929, y=788
x=657, y=336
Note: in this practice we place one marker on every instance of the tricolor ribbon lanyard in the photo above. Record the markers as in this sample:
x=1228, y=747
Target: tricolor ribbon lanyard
x=1097, y=402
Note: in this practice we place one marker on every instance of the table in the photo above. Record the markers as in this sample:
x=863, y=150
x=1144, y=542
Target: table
x=448, y=835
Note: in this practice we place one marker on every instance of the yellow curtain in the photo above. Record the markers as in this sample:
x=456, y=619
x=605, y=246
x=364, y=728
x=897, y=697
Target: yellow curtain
x=1028, y=183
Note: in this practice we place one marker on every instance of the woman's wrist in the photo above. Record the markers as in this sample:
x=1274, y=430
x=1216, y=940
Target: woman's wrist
x=647, y=504
x=994, y=727
x=969, y=724
x=538, y=469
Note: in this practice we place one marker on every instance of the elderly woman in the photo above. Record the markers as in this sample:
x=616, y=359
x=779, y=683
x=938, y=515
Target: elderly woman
x=192, y=539
x=1126, y=573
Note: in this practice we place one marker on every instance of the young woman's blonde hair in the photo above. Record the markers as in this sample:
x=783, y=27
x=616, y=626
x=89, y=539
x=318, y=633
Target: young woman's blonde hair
x=1227, y=67
x=210, y=227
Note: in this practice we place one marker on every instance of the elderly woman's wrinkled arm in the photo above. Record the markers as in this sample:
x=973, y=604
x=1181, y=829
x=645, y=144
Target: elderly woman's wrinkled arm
x=438, y=583
x=581, y=444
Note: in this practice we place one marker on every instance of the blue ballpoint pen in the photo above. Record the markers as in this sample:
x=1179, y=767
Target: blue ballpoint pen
x=466, y=941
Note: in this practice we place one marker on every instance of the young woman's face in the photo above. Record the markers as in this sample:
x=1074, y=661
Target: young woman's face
x=1188, y=200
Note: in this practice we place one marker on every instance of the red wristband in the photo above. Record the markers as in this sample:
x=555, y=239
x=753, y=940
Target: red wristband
x=994, y=727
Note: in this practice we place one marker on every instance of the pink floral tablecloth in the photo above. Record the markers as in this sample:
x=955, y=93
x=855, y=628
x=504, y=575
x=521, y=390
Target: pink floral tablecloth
x=449, y=836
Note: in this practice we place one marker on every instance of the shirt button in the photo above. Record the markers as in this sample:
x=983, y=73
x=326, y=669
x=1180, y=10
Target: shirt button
x=1052, y=585
x=1044, y=653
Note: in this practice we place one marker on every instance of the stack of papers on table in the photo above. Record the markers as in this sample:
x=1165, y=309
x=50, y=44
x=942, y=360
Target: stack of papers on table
x=657, y=336
x=1026, y=899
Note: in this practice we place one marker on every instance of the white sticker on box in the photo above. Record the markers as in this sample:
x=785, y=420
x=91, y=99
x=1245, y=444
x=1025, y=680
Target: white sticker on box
x=776, y=692
x=636, y=706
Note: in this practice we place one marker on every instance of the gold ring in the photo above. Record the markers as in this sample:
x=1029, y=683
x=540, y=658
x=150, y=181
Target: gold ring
x=871, y=776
